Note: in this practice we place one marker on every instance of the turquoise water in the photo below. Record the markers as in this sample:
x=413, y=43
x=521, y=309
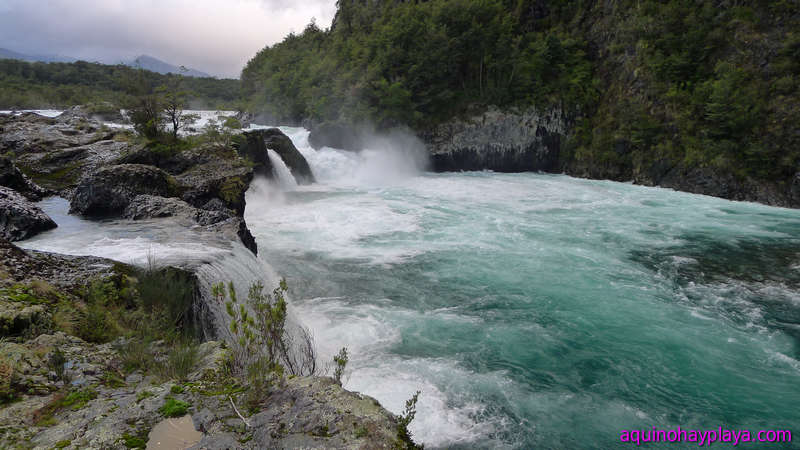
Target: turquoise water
x=541, y=310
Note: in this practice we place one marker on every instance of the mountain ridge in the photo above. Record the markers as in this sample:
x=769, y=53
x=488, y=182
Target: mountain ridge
x=142, y=61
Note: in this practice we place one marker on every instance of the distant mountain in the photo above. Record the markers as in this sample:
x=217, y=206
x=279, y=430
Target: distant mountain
x=156, y=65
x=10, y=54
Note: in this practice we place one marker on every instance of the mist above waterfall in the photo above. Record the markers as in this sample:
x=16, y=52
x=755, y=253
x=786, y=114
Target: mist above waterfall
x=388, y=159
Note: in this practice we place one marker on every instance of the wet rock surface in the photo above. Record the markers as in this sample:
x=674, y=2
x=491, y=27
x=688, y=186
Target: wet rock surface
x=20, y=218
x=63, y=271
x=255, y=145
x=11, y=177
x=109, y=190
x=151, y=206
x=88, y=398
x=504, y=141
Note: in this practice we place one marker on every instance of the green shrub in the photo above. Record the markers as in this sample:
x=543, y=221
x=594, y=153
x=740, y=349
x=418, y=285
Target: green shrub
x=56, y=362
x=340, y=360
x=143, y=395
x=404, y=440
x=173, y=408
x=135, y=354
x=78, y=399
x=95, y=325
x=132, y=441
x=167, y=293
x=180, y=362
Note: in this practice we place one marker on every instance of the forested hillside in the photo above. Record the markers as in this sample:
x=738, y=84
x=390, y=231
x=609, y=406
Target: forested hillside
x=27, y=85
x=647, y=85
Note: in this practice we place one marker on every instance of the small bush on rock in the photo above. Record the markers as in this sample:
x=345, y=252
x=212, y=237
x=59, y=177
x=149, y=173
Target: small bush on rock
x=174, y=408
x=340, y=360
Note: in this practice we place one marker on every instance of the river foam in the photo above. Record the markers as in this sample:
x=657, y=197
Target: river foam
x=538, y=310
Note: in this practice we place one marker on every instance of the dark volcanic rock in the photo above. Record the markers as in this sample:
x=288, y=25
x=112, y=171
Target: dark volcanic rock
x=335, y=135
x=708, y=181
x=499, y=140
x=150, y=206
x=11, y=177
x=255, y=148
x=110, y=189
x=174, y=162
x=224, y=180
x=246, y=237
x=19, y=218
x=59, y=270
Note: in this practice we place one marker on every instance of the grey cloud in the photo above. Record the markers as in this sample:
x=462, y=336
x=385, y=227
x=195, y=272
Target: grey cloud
x=214, y=36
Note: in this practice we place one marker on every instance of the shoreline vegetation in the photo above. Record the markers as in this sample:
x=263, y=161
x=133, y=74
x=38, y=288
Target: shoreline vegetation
x=40, y=85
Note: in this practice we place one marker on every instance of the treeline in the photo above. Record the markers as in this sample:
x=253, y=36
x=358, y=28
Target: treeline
x=646, y=83
x=415, y=62
x=27, y=85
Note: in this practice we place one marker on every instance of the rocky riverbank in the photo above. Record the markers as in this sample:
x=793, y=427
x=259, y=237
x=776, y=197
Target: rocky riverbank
x=88, y=356
x=535, y=140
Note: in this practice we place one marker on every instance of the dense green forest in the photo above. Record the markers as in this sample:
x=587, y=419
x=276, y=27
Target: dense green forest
x=645, y=83
x=26, y=85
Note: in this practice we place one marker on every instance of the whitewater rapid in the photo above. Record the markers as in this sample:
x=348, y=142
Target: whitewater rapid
x=538, y=310
x=530, y=310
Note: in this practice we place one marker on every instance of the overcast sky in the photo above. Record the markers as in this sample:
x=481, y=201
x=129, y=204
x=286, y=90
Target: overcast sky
x=213, y=36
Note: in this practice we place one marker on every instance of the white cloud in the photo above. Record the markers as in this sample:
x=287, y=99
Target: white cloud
x=214, y=36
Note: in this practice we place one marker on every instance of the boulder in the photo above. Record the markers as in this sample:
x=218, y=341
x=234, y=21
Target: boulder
x=19, y=218
x=17, y=317
x=150, y=206
x=109, y=190
x=223, y=179
x=13, y=178
x=170, y=160
x=255, y=145
x=335, y=135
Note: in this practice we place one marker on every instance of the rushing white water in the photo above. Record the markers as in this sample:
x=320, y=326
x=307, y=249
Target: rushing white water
x=41, y=112
x=213, y=258
x=539, y=310
x=281, y=172
x=532, y=311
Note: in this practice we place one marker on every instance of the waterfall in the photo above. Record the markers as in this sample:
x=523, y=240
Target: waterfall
x=387, y=160
x=281, y=172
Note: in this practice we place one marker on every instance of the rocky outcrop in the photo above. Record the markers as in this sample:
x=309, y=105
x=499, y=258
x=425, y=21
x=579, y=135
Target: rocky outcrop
x=19, y=218
x=150, y=206
x=306, y=412
x=214, y=216
x=254, y=147
x=109, y=190
x=57, y=152
x=303, y=412
x=335, y=135
x=174, y=161
x=63, y=271
x=708, y=181
x=504, y=141
x=13, y=178
x=221, y=180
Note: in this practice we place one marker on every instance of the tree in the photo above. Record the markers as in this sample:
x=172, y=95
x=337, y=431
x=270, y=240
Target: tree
x=174, y=103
